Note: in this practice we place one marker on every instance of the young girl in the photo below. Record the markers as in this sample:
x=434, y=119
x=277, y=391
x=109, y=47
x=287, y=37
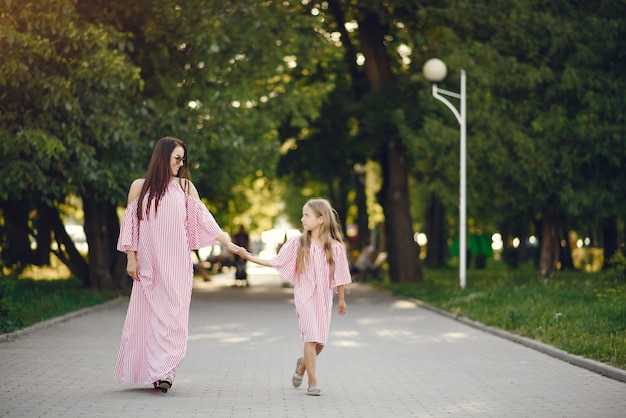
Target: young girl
x=316, y=263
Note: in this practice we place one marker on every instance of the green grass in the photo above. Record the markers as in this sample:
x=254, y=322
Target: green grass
x=24, y=302
x=581, y=313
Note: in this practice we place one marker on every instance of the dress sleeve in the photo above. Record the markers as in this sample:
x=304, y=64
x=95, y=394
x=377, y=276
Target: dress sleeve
x=128, y=239
x=202, y=228
x=342, y=269
x=285, y=261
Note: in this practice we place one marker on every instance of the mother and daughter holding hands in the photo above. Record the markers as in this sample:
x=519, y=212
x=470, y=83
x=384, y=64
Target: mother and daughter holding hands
x=158, y=245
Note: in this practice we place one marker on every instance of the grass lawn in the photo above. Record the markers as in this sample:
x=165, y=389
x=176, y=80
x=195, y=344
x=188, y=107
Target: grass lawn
x=26, y=301
x=578, y=312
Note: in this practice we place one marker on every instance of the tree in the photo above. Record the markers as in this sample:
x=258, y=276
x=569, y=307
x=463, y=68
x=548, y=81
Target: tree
x=212, y=79
x=89, y=86
x=539, y=75
x=63, y=81
x=373, y=92
x=197, y=83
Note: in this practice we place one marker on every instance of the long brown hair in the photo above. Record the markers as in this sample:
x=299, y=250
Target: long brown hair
x=159, y=173
x=330, y=231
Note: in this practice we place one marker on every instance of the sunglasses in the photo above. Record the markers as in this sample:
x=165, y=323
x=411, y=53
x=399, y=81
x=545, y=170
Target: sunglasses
x=178, y=159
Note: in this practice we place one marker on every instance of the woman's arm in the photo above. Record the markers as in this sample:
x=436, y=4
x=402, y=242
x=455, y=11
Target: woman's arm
x=231, y=246
x=223, y=239
x=132, y=267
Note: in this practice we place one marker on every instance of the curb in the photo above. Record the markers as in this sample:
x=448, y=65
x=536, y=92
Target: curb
x=56, y=320
x=591, y=365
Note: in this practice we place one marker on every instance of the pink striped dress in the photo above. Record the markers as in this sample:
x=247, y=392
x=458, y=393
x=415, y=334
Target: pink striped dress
x=154, y=337
x=313, y=291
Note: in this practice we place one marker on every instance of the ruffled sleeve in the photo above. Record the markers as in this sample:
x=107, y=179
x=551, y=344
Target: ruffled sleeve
x=342, y=269
x=202, y=228
x=128, y=239
x=285, y=261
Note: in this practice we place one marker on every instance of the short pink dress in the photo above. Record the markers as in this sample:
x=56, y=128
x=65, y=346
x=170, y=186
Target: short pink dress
x=154, y=336
x=313, y=291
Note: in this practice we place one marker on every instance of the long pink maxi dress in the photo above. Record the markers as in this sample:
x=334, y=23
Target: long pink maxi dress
x=154, y=337
x=313, y=290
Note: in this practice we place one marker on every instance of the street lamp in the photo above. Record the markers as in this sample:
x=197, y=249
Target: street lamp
x=435, y=70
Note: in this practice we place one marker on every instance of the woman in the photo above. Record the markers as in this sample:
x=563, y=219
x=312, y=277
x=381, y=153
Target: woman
x=164, y=221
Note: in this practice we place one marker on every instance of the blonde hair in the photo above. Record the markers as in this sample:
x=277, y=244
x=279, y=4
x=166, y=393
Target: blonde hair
x=330, y=231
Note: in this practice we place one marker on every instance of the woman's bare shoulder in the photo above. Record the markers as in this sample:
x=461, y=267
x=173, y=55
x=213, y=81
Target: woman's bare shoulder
x=135, y=189
x=190, y=188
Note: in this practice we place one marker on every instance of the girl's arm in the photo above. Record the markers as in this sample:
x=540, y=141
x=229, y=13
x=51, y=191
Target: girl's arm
x=262, y=261
x=341, y=300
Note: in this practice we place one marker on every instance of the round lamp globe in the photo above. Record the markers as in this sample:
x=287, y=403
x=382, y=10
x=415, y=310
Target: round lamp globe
x=434, y=70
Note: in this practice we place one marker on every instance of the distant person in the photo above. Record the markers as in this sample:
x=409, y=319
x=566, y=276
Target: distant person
x=242, y=239
x=364, y=266
x=317, y=265
x=198, y=268
x=164, y=221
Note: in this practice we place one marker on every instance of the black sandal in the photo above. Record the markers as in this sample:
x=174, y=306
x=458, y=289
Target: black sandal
x=164, y=385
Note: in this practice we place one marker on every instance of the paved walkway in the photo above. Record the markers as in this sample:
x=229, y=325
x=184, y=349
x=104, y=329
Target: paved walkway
x=386, y=357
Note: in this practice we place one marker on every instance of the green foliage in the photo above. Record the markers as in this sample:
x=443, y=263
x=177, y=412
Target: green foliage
x=63, y=83
x=68, y=102
x=618, y=265
x=24, y=302
x=243, y=66
x=545, y=119
x=88, y=86
x=581, y=313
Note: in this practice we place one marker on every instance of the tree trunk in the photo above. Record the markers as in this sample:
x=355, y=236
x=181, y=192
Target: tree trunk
x=359, y=88
x=66, y=250
x=102, y=230
x=402, y=256
x=549, y=255
x=565, y=257
x=610, y=244
x=363, y=236
x=16, y=249
x=44, y=240
x=435, y=230
x=340, y=203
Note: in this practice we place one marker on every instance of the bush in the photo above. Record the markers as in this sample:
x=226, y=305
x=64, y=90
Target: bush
x=618, y=264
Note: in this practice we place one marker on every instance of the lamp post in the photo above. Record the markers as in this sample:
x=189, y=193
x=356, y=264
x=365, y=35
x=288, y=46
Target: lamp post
x=435, y=70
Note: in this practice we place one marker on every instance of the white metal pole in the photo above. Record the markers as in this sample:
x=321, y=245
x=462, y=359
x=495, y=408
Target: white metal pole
x=462, y=191
x=460, y=115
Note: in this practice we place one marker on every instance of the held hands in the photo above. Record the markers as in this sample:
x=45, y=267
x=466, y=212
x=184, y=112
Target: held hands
x=240, y=251
x=245, y=254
